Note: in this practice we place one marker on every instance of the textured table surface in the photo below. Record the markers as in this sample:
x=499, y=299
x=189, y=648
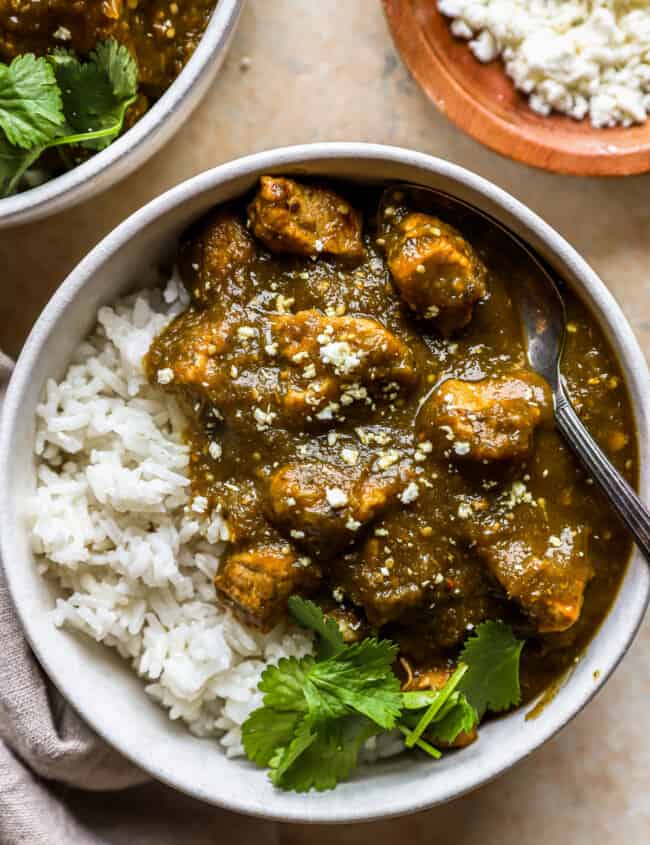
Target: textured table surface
x=328, y=71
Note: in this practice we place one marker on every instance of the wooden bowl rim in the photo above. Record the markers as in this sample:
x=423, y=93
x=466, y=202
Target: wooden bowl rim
x=509, y=139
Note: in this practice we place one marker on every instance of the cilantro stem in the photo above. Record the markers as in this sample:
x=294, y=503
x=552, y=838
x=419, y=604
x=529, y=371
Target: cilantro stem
x=80, y=137
x=432, y=711
x=421, y=743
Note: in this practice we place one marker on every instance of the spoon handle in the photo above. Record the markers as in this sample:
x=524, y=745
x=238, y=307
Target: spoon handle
x=622, y=497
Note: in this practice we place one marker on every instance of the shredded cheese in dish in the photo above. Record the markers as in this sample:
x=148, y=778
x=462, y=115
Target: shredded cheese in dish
x=579, y=57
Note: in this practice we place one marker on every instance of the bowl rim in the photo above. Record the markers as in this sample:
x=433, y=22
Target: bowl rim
x=493, y=129
x=324, y=154
x=142, y=140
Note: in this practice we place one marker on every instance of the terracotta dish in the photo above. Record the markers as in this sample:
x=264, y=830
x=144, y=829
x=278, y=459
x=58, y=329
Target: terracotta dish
x=482, y=101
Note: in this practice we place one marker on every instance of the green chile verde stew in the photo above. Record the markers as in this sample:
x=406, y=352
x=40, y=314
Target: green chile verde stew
x=361, y=410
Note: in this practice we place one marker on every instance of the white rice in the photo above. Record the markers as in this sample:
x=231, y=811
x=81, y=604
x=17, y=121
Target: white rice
x=113, y=522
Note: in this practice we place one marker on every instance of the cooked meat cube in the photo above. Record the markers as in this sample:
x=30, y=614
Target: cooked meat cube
x=491, y=419
x=396, y=570
x=436, y=271
x=258, y=582
x=212, y=256
x=304, y=220
x=545, y=573
x=322, y=508
x=318, y=365
x=342, y=355
x=187, y=355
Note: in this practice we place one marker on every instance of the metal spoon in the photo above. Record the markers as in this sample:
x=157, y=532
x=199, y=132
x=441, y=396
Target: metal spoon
x=544, y=322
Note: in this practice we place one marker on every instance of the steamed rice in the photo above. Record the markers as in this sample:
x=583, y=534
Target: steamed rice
x=115, y=526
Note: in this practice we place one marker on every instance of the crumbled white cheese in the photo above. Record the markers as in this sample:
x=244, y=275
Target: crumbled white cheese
x=350, y=456
x=263, y=418
x=62, y=33
x=353, y=524
x=462, y=447
x=246, y=332
x=328, y=411
x=200, y=504
x=165, y=376
x=579, y=57
x=341, y=356
x=283, y=303
x=388, y=458
x=336, y=498
x=215, y=450
x=410, y=493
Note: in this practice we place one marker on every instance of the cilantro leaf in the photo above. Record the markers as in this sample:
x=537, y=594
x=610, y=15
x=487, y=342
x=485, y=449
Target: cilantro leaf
x=30, y=102
x=328, y=759
x=285, y=757
x=492, y=678
x=285, y=683
x=14, y=162
x=95, y=93
x=362, y=679
x=58, y=101
x=309, y=615
x=265, y=730
x=119, y=66
x=457, y=717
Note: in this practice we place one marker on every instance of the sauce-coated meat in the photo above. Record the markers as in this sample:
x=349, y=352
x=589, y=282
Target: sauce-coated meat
x=323, y=507
x=294, y=218
x=213, y=257
x=434, y=268
x=492, y=419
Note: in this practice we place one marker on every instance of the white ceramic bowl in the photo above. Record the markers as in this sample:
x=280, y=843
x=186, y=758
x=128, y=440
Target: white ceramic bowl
x=102, y=688
x=145, y=138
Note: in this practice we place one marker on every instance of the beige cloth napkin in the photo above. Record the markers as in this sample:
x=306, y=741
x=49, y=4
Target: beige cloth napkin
x=60, y=784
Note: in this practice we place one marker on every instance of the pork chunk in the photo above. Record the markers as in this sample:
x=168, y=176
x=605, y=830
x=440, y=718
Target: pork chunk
x=212, y=257
x=545, y=572
x=322, y=508
x=258, y=582
x=345, y=359
x=288, y=369
x=492, y=419
x=305, y=220
x=186, y=356
x=435, y=270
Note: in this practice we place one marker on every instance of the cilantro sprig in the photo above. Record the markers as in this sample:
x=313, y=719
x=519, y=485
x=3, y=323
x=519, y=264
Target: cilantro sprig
x=319, y=711
x=59, y=101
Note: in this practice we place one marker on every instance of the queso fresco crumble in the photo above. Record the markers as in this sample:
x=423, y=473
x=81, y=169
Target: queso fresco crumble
x=584, y=58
